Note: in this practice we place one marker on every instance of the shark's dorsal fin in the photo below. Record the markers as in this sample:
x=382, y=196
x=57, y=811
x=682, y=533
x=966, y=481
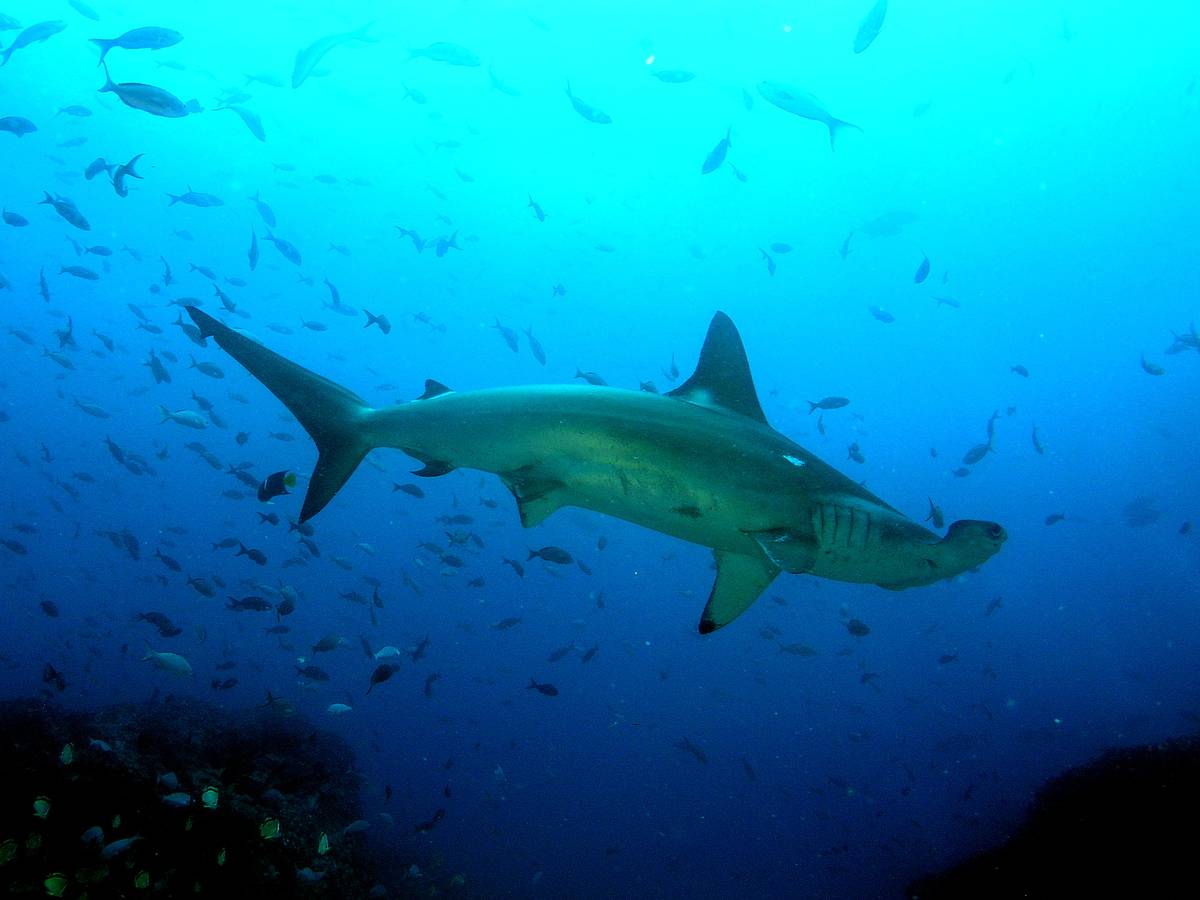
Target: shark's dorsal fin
x=434, y=389
x=722, y=378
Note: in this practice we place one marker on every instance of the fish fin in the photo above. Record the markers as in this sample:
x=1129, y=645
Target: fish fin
x=740, y=581
x=834, y=126
x=431, y=468
x=790, y=551
x=722, y=378
x=334, y=416
x=434, y=389
x=537, y=496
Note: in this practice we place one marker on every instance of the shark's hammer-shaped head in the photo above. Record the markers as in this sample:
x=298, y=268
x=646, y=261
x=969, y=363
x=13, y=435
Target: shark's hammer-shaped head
x=971, y=542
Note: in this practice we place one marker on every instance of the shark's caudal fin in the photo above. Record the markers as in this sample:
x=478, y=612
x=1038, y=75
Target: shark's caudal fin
x=334, y=417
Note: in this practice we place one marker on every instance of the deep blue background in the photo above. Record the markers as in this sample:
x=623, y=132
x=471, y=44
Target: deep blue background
x=1046, y=156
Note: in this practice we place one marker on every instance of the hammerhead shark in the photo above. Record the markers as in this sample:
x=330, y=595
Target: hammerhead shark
x=699, y=463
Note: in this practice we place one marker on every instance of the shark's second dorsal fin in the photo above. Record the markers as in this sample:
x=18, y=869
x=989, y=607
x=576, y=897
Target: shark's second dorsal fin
x=434, y=389
x=722, y=378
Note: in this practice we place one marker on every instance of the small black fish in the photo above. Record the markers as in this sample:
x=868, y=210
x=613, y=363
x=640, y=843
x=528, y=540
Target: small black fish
x=276, y=484
x=749, y=769
x=560, y=653
x=50, y=608
x=547, y=689
x=249, y=604
x=591, y=378
x=428, y=826
x=716, y=156
x=858, y=628
x=509, y=335
x=257, y=555
x=686, y=744
x=168, y=561
x=50, y=675
x=380, y=320
x=922, y=270
x=313, y=673
x=381, y=674
x=827, y=403
x=552, y=554
x=976, y=453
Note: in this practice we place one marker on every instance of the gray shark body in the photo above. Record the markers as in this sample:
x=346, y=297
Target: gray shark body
x=700, y=464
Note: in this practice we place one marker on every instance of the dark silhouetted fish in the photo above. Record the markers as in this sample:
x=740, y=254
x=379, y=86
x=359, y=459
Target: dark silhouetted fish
x=147, y=38
x=716, y=156
x=868, y=30
x=547, y=689
x=804, y=105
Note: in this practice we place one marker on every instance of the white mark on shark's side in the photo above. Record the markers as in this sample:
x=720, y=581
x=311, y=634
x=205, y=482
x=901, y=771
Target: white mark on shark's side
x=793, y=460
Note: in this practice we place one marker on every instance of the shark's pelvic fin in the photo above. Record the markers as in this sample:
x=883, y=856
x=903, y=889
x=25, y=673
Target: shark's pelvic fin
x=537, y=496
x=335, y=417
x=740, y=581
x=722, y=378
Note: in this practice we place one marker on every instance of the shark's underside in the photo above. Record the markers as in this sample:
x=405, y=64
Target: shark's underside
x=700, y=463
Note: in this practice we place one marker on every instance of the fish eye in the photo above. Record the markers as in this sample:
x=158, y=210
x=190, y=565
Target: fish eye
x=995, y=530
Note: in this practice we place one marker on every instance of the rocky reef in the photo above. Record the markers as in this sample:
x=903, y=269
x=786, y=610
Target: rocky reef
x=1124, y=824
x=175, y=799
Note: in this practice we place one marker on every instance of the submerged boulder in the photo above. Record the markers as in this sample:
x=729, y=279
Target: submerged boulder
x=1123, y=824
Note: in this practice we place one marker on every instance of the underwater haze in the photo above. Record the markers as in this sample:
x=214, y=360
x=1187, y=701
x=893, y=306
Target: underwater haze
x=975, y=223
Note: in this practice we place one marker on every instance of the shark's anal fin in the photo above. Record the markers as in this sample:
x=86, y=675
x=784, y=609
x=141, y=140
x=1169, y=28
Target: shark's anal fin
x=537, y=495
x=740, y=581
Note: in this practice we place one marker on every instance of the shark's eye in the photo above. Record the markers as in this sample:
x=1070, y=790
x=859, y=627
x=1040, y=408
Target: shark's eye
x=995, y=530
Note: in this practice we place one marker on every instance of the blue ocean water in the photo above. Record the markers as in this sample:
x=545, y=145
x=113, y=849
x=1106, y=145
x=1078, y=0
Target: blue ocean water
x=1039, y=156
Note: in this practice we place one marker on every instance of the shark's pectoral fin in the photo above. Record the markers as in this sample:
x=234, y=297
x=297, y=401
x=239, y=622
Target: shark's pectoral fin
x=740, y=581
x=792, y=552
x=537, y=495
